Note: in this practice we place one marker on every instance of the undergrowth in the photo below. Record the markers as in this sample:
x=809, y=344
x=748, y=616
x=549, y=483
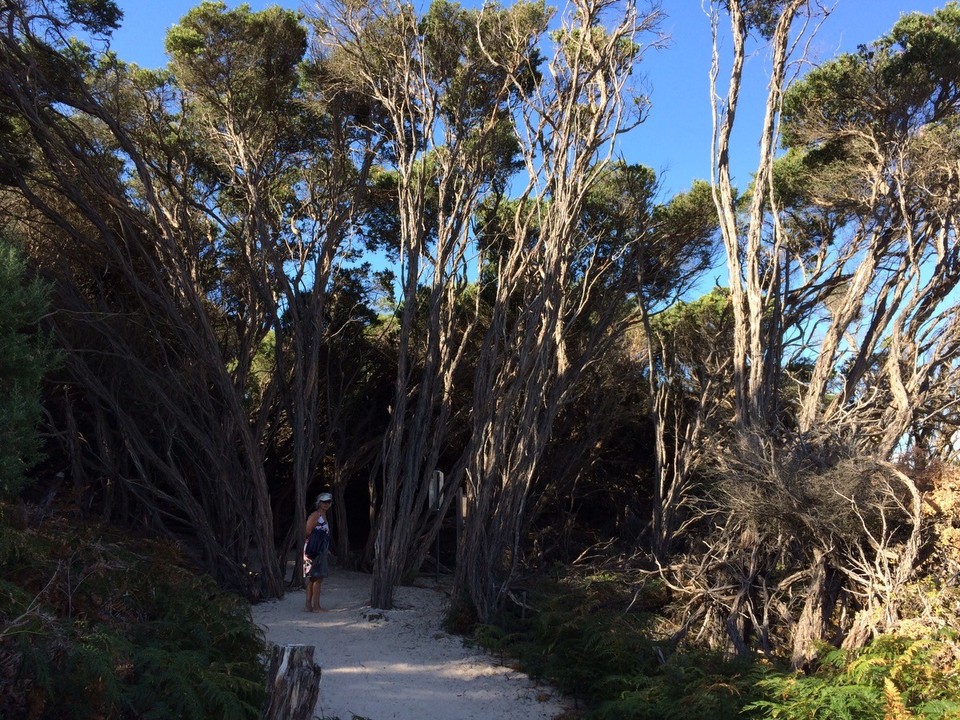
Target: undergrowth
x=592, y=638
x=100, y=626
x=894, y=678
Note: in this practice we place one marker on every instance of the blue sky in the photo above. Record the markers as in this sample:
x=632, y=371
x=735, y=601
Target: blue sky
x=675, y=139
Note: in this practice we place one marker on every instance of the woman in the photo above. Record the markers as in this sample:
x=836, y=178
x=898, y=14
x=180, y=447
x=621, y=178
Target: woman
x=317, y=568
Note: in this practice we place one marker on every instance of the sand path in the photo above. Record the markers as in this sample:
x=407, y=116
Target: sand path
x=400, y=664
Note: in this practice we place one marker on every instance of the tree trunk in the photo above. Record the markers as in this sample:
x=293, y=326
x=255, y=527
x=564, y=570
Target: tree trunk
x=293, y=683
x=547, y=282
x=809, y=629
x=753, y=269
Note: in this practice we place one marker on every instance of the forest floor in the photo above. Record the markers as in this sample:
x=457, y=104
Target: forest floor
x=400, y=664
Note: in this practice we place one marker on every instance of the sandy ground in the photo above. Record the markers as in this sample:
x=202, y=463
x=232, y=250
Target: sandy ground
x=399, y=664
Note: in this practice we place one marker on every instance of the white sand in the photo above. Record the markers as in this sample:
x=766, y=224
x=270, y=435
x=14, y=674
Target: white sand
x=400, y=664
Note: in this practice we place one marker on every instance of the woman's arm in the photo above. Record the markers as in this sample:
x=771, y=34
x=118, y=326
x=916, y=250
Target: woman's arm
x=311, y=521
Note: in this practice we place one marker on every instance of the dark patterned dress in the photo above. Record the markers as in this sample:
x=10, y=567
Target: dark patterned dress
x=318, y=567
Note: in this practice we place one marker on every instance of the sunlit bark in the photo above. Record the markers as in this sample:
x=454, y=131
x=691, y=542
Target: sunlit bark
x=754, y=266
x=442, y=149
x=527, y=365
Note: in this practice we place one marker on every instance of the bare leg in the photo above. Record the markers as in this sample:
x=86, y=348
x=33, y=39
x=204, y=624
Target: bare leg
x=316, y=597
x=313, y=589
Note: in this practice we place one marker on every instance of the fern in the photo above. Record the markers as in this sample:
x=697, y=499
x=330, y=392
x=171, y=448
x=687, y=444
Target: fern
x=894, y=678
x=131, y=634
x=696, y=685
x=581, y=640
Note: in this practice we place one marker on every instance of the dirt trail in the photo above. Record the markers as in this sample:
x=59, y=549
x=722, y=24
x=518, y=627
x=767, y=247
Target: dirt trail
x=399, y=664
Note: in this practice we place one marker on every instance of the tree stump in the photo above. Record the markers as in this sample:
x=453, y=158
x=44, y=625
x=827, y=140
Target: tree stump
x=293, y=683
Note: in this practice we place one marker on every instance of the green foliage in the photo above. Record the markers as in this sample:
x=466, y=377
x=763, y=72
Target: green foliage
x=667, y=247
x=591, y=638
x=456, y=62
x=206, y=47
x=99, y=16
x=902, y=86
x=689, y=333
x=691, y=685
x=893, y=677
x=95, y=628
x=703, y=319
x=571, y=41
x=760, y=16
x=922, y=59
x=241, y=68
x=25, y=355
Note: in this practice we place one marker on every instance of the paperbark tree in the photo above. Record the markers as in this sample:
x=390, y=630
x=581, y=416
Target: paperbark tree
x=443, y=87
x=676, y=248
x=688, y=356
x=846, y=252
x=871, y=195
x=159, y=344
x=460, y=92
x=754, y=262
x=847, y=239
x=290, y=172
x=546, y=323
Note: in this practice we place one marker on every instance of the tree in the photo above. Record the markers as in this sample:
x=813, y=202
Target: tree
x=755, y=269
x=688, y=353
x=677, y=247
x=841, y=259
x=547, y=319
x=25, y=356
x=871, y=197
x=106, y=207
x=290, y=170
x=845, y=253
x=459, y=94
x=442, y=88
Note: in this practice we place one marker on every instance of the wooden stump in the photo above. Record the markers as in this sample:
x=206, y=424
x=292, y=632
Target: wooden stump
x=293, y=683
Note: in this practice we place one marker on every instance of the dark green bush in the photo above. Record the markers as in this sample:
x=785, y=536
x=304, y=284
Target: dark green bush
x=686, y=685
x=25, y=355
x=586, y=636
x=110, y=628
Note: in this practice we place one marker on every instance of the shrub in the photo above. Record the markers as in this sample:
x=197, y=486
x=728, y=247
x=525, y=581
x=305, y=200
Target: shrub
x=96, y=627
x=893, y=677
x=587, y=637
x=686, y=685
x=25, y=355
